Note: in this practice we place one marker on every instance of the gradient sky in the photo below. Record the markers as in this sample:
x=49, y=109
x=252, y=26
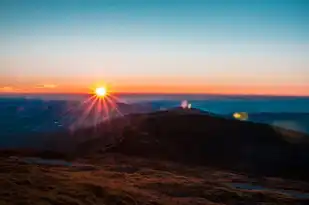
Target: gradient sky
x=210, y=46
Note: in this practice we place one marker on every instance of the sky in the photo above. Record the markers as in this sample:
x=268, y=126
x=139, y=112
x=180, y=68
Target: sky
x=177, y=46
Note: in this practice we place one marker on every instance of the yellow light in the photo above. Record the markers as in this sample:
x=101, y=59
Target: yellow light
x=101, y=92
x=241, y=115
x=237, y=115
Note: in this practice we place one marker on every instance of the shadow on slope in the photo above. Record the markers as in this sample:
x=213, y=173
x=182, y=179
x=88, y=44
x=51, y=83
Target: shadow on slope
x=195, y=137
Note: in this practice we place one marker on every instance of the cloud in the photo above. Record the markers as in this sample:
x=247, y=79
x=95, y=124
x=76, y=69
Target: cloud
x=6, y=89
x=47, y=86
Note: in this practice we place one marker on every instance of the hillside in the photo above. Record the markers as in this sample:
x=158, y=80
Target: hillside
x=167, y=157
x=114, y=179
x=194, y=137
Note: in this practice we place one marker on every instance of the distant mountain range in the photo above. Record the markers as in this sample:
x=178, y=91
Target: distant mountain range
x=293, y=121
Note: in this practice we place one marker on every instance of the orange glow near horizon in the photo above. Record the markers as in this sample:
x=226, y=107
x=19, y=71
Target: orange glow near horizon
x=152, y=88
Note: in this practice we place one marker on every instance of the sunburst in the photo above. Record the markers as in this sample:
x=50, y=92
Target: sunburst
x=101, y=92
x=101, y=105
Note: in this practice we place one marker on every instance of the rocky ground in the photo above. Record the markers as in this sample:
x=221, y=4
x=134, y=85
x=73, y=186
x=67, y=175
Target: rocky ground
x=118, y=179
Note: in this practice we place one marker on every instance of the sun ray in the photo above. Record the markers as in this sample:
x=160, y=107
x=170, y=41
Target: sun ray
x=97, y=108
x=100, y=113
x=106, y=109
x=114, y=98
x=86, y=112
x=72, y=109
x=114, y=106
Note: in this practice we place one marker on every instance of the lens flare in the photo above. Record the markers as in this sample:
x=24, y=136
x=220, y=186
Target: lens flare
x=100, y=105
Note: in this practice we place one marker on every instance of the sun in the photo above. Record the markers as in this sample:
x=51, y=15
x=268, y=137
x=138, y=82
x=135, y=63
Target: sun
x=101, y=92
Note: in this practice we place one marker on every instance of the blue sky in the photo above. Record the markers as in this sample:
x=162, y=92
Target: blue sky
x=219, y=42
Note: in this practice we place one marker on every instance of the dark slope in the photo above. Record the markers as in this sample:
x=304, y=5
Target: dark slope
x=191, y=137
x=104, y=134
x=194, y=137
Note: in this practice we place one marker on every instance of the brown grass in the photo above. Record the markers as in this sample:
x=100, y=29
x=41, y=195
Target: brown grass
x=123, y=180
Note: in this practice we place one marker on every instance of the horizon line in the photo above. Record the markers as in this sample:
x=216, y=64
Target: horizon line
x=154, y=93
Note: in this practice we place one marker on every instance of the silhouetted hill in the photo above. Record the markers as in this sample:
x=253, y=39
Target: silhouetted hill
x=189, y=136
x=194, y=137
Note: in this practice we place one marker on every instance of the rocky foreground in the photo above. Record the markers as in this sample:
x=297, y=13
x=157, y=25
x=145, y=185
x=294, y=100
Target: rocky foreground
x=117, y=179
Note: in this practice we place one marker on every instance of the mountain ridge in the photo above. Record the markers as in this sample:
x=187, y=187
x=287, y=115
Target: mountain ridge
x=189, y=137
